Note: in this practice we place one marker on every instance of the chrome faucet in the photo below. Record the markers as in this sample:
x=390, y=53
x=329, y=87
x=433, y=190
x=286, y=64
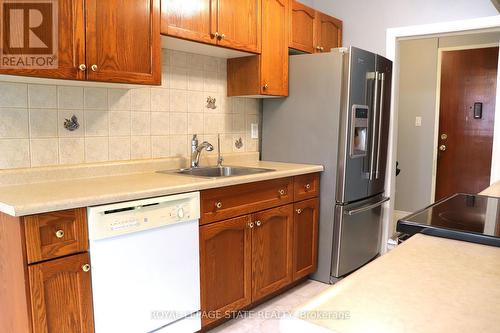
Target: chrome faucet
x=220, y=159
x=197, y=149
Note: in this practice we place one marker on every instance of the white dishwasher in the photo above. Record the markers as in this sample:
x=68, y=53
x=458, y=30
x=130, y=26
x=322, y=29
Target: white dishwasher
x=145, y=265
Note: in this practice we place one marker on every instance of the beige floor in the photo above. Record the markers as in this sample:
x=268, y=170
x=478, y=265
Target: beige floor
x=263, y=319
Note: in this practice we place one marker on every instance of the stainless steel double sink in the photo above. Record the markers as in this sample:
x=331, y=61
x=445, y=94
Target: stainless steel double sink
x=217, y=172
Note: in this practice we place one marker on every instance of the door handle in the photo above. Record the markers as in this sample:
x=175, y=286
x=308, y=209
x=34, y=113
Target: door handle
x=374, y=134
x=364, y=209
x=381, y=105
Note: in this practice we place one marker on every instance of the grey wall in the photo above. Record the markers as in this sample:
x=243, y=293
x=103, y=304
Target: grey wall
x=417, y=97
x=366, y=21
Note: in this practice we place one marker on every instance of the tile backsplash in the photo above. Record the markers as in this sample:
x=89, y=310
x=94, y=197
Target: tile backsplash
x=119, y=124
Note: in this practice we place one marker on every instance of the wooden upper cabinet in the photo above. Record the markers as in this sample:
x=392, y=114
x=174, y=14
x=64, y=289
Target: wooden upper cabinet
x=305, y=237
x=225, y=261
x=328, y=32
x=274, y=58
x=71, y=45
x=302, y=20
x=229, y=23
x=61, y=296
x=194, y=20
x=272, y=250
x=238, y=24
x=123, y=41
x=265, y=74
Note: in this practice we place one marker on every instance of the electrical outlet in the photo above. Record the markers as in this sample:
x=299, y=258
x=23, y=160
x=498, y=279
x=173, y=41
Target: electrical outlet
x=418, y=121
x=254, y=131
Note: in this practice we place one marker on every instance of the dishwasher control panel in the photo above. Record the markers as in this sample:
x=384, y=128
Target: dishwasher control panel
x=141, y=215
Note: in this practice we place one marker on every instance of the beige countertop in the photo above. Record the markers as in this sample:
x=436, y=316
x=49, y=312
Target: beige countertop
x=493, y=190
x=33, y=198
x=425, y=285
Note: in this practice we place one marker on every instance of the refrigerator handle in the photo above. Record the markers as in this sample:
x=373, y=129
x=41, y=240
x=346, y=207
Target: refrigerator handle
x=374, y=125
x=380, y=111
x=364, y=209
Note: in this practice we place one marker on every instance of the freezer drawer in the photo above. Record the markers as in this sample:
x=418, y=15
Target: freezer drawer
x=357, y=234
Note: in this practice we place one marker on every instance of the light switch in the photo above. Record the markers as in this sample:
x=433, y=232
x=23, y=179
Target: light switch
x=254, y=130
x=418, y=121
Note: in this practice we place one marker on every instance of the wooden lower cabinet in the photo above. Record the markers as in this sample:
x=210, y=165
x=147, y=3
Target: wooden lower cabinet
x=272, y=250
x=225, y=259
x=61, y=297
x=305, y=237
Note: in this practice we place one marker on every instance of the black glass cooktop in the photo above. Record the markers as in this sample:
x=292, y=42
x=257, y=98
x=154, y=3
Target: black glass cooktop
x=468, y=217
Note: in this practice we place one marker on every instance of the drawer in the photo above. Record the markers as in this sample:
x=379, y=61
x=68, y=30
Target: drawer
x=306, y=186
x=55, y=234
x=227, y=202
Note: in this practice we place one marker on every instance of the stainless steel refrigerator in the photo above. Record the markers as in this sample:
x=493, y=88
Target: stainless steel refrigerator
x=337, y=114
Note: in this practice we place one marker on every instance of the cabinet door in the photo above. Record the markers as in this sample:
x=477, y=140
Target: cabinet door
x=305, y=237
x=271, y=250
x=239, y=24
x=274, y=57
x=328, y=32
x=225, y=260
x=191, y=20
x=302, y=27
x=123, y=41
x=71, y=45
x=61, y=296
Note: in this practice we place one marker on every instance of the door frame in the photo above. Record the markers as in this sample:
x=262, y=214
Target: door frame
x=438, y=108
x=393, y=36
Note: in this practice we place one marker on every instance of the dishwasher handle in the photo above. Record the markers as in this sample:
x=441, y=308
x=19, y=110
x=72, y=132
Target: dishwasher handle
x=365, y=208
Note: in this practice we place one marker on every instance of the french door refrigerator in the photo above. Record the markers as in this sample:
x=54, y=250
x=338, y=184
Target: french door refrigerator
x=337, y=114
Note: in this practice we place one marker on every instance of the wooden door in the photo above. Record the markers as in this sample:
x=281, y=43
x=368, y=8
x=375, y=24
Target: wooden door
x=328, y=32
x=71, y=45
x=123, y=41
x=464, y=163
x=301, y=27
x=194, y=20
x=271, y=250
x=274, y=57
x=225, y=260
x=239, y=24
x=305, y=237
x=61, y=296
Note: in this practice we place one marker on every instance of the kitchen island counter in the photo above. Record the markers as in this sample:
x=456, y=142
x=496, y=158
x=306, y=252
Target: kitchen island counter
x=426, y=285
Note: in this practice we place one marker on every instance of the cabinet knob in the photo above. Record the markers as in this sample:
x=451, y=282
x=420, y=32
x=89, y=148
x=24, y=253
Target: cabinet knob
x=218, y=205
x=307, y=187
x=222, y=36
x=258, y=223
x=250, y=225
x=93, y=68
x=318, y=48
x=86, y=268
x=299, y=211
x=322, y=48
x=442, y=147
x=215, y=35
x=282, y=192
x=60, y=234
x=82, y=67
x=266, y=86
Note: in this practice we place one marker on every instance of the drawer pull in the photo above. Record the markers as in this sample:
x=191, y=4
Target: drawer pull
x=258, y=223
x=308, y=187
x=250, y=225
x=60, y=234
x=86, y=268
x=218, y=205
x=299, y=211
x=282, y=192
